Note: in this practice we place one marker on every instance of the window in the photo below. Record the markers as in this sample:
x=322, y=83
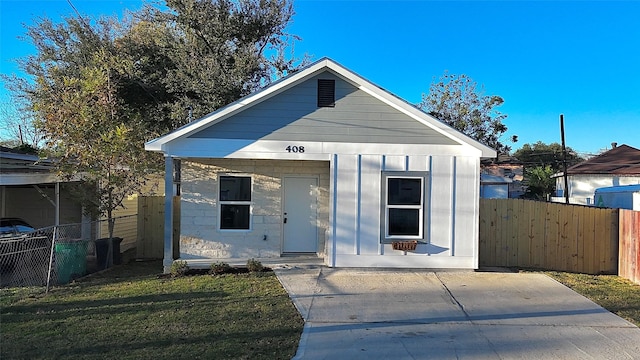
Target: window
x=326, y=93
x=235, y=202
x=404, y=207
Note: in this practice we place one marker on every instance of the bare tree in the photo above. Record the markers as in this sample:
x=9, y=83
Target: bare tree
x=18, y=127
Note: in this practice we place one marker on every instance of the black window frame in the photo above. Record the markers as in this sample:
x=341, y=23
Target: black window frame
x=238, y=202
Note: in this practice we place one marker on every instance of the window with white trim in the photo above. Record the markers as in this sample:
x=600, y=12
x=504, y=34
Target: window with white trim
x=235, y=202
x=404, y=206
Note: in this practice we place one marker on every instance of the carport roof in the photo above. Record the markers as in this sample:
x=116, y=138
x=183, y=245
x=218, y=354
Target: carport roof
x=18, y=168
x=12, y=161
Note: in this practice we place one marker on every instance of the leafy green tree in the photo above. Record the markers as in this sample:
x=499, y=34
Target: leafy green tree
x=79, y=73
x=203, y=54
x=457, y=101
x=92, y=131
x=539, y=181
x=100, y=88
x=95, y=135
x=541, y=154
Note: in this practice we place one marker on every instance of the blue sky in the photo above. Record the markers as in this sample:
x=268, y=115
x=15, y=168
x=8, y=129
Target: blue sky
x=545, y=58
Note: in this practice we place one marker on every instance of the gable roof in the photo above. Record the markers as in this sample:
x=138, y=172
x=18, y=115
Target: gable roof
x=621, y=160
x=324, y=64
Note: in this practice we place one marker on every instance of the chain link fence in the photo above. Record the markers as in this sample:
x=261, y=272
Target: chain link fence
x=60, y=254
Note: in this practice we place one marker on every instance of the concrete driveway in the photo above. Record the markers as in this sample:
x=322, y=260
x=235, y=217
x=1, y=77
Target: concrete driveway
x=384, y=314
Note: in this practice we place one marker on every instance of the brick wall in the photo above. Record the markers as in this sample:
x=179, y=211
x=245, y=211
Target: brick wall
x=200, y=236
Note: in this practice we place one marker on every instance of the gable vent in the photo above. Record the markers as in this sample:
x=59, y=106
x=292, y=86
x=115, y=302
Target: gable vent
x=326, y=93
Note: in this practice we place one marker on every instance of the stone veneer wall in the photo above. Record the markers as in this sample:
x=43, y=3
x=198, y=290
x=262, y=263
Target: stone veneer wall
x=200, y=236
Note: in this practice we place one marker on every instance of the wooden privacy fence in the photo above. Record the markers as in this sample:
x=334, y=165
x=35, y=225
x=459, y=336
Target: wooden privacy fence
x=629, y=245
x=551, y=236
x=150, y=243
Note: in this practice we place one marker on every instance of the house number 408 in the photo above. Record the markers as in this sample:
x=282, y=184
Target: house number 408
x=295, y=149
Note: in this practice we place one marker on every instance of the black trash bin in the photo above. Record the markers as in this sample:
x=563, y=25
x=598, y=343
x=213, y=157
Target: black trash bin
x=102, y=249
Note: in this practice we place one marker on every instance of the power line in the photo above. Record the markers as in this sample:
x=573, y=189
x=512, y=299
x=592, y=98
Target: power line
x=79, y=15
x=74, y=8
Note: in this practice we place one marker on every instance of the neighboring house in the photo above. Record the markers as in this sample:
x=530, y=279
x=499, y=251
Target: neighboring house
x=324, y=162
x=31, y=191
x=501, y=177
x=618, y=166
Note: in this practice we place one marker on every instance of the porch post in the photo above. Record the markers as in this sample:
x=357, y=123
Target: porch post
x=333, y=201
x=168, y=214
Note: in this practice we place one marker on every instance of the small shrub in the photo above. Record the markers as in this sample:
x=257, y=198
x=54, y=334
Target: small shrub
x=219, y=268
x=254, y=265
x=179, y=268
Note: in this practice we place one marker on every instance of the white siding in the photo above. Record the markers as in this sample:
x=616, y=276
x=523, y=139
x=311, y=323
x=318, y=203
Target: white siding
x=583, y=187
x=466, y=203
x=394, y=162
x=442, y=181
x=450, y=218
x=370, y=204
x=346, y=205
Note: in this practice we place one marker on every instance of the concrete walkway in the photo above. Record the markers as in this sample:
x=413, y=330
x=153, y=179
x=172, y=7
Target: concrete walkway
x=384, y=314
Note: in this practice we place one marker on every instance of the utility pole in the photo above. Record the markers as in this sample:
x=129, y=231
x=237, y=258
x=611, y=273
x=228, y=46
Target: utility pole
x=20, y=132
x=564, y=161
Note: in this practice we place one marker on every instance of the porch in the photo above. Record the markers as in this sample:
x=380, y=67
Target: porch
x=283, y=262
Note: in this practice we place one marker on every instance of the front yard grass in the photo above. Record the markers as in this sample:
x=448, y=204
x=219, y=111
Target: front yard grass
x=618, y=295
x=130, y=312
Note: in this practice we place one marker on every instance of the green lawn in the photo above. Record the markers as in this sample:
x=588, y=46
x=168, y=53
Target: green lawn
x=618, y=295
x=130, y=312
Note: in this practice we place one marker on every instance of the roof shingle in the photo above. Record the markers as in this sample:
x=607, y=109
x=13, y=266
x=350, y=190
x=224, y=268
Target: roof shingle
x=621, y=160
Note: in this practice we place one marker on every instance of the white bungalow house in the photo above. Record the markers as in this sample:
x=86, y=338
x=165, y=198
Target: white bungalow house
x=324, y=162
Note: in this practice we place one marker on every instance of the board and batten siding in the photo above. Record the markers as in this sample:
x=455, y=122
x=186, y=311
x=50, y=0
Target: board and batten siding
x=357, y=219
x=293, y=114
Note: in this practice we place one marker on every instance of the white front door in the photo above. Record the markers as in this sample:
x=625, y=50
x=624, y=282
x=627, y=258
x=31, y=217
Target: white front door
x=300, y=215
